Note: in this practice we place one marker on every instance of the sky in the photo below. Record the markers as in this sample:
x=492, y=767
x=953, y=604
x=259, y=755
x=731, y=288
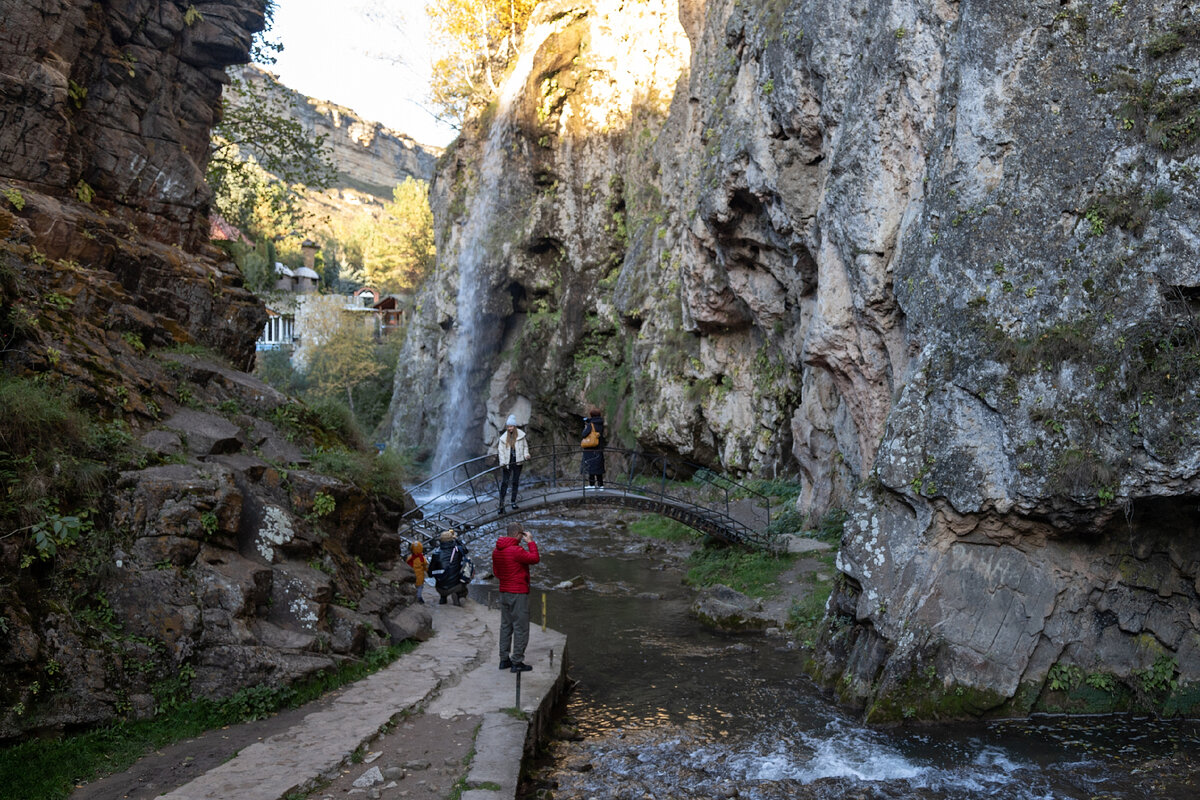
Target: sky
x=371, y=56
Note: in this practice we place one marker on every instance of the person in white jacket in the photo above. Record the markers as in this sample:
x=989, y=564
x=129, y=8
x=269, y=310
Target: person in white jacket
x=513, y=451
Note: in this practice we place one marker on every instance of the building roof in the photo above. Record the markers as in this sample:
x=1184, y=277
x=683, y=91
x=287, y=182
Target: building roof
x=305, y=272
x=282, y=269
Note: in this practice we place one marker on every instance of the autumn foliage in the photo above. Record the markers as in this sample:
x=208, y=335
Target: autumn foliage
x=475, y=41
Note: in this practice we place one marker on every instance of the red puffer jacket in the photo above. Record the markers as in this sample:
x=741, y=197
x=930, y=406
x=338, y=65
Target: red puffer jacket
x=510, y=564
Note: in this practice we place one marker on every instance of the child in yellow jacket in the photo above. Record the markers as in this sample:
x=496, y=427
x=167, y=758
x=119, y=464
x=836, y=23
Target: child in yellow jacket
x=416, y=560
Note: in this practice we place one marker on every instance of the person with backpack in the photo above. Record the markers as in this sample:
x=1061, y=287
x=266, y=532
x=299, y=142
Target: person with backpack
x=446, y=566
x=593, y=443
x=512, y=448
x=510, y=565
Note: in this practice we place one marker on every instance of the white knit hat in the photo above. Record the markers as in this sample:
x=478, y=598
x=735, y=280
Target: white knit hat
x=512, y=420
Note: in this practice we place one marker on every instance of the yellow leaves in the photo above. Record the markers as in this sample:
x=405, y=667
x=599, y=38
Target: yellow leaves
x=475, y=40
x=394, y=250
x=343, y=360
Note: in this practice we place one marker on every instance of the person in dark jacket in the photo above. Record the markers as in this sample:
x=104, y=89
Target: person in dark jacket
x=510, y=565
x=446, y=565
x=592, y=464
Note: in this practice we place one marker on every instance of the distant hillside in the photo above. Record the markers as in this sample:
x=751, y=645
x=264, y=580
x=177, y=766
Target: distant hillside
x=370, y=158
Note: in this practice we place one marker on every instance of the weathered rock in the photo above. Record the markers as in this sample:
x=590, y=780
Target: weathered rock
x=729, y=610
x=906, y=251
x=414, y=622
x=105, y=118
x=369, y=778
x=205, y=434
x=162, y=443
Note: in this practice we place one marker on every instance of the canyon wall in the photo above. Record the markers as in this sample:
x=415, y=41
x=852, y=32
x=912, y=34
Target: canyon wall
x=370, y=158
x=166, y=532
x=935, y=258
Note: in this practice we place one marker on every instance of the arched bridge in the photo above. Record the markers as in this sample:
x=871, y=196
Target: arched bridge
x=465, y=496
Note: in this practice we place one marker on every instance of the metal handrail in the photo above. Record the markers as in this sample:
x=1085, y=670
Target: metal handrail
x=477, y=481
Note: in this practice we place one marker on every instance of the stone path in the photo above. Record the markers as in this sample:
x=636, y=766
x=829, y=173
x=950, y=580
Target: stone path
x=454, y=675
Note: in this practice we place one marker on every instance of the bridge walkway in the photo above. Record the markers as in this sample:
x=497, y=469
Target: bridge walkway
x=465, y=497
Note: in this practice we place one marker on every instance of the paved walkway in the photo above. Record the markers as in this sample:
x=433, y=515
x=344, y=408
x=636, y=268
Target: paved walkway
x=453, y=675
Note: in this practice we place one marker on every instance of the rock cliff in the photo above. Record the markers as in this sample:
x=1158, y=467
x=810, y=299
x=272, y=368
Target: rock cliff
x=167, y=532
x=369, y=157
x=937, y=258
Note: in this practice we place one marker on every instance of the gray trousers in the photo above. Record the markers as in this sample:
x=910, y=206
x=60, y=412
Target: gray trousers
x=514, y=625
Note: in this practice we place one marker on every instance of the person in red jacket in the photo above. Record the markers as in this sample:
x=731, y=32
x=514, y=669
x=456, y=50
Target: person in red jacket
x=510, y=565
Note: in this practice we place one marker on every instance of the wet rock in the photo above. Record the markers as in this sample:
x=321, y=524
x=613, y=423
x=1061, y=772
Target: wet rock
x=571, y=583
x=729, y=610
x=579, y=764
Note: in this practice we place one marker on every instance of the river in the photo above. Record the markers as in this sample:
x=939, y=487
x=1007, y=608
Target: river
x=665, y=708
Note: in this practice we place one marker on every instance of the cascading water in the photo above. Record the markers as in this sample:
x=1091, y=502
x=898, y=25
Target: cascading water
x=456, y=436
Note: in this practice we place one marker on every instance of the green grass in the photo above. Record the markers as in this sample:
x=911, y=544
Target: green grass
x=656, y=526
x=52, y=454
x=806, y=613
x=383, y=474
x=49, y=769
x=752, y=573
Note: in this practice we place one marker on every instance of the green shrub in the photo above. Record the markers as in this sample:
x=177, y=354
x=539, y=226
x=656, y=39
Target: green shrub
x=806, y=613
x=42, y=467
x=751, y=572
x=384, y=474
x=656, y=526
x=336, y=416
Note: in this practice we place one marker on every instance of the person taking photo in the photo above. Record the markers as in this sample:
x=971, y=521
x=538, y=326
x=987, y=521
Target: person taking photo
x=511, y=559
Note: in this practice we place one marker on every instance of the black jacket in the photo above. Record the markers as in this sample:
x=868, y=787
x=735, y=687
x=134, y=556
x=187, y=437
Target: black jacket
x=445, y=565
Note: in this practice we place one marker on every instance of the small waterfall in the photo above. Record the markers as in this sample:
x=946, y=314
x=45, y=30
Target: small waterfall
x=458, y=435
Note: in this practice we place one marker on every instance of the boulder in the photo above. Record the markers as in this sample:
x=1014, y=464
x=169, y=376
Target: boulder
x=413, y=622
x=205, y=434
x=729, y=610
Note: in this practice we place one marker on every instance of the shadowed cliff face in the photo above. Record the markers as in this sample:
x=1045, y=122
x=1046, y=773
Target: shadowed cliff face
x=936, y=257
x=106, y=115
x=209, y=551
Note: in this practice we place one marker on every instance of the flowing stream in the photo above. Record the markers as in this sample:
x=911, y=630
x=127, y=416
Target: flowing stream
x=665, y=708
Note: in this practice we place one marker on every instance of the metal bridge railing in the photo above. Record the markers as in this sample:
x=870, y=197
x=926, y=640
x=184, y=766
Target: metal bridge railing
x=467, y=493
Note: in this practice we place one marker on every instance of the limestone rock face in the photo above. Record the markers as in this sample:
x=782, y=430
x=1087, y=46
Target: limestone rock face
x=937, y=258
x=370, y=157
x=220, y=574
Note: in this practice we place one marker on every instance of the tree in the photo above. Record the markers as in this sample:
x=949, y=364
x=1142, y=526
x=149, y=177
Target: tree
x=341, y=362
x=475, y=40
x=260, y=157
x=261, y=160
x=398, y=250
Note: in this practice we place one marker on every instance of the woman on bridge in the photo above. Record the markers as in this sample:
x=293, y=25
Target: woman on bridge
x=513, y=451
x=593, y=443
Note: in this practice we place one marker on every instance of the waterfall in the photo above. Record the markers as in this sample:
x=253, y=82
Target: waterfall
x=457, y=435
